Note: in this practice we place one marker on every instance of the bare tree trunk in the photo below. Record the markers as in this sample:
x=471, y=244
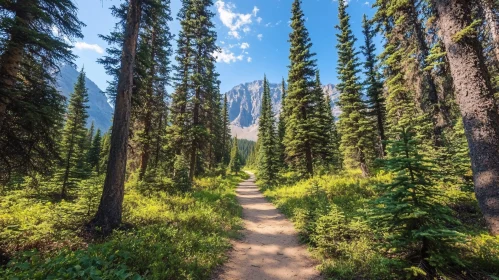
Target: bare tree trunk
x=492, y=24
x=11, y=58
x=109, y=213
x=475, y=98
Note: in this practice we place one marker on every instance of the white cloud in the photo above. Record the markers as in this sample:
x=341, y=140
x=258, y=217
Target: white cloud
x=245, y=46
x=86, y=46
x=260, y=36
x=249, y=59
x=277, y=23
x=255, y=10
x=259, y=20
x=246, y=29
x=234, y=21
x=226, y=56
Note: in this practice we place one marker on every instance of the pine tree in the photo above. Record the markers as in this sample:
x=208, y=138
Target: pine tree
x=235, y=163
x=409, y=210
x=196, y=102
x=181, y=180
x=104, y=152
x=109, y=213
x=374, y=86
x=299, y=101
x=32, y=47
x=281, y=128
x=93, y=156
x=475, y=97
x=74, y=136
x=268, y=156
x=226, y=132
x=354, y=125
x=324, y=149
x=403, y=26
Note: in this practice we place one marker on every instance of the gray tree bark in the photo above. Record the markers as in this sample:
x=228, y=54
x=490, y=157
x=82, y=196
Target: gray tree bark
x=475, y=98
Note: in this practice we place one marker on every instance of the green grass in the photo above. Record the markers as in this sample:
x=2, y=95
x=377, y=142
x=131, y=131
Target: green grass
x=331, y=214
x=169, y=236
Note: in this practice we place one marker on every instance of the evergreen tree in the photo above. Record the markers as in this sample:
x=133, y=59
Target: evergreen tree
x=109, y=213
x=324, y=148
x=281, y=127
x=374, y=86
x=225, y=132
x=268, y=156
x=409, y=210
x=299, y=137
x=354, y=125
x=475, y=97
x=181, y=180
x=74, y=136
x=93, y=156
x=104, y=152
x=32, y=46
x=196, y=104
x=235, y=163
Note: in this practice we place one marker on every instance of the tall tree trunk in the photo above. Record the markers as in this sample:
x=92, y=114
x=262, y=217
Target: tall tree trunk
x=10, y=60
x=146, y=148
x=492, y=24
x=475, y=98
x=109, y=213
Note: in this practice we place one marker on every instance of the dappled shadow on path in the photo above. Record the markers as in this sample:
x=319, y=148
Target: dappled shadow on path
x=270, y=248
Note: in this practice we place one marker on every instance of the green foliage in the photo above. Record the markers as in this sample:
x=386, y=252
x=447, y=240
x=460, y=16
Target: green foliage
x=354, y=126
x=268, y=158
x=173, y=236
x=409, y=212
x=93, y=155
x=300, y=103
x=235, y=158
x=181, y=180
x=74, y=142
x=36, y=39
x=245, y=148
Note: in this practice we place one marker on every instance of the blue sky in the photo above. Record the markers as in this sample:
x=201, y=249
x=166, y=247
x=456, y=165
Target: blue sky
x=252, y=35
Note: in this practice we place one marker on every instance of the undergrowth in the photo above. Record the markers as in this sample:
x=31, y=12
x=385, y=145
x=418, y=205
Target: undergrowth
x=331, y=213
x=168, y=235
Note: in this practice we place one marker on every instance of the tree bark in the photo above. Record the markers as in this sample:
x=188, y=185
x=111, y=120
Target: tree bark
x=492, y=24
x=475, y=98
x=109, y=213
x=11, y=58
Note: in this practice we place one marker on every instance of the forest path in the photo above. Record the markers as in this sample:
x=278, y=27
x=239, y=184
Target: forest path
x=270, y=248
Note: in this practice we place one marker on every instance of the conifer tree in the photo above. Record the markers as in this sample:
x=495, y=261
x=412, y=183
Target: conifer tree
x=475, y=97
x=33, y=44
x=299, y=138
x=281, y=128
x=74, y=136
x=109, y=213
x=268, y=156
x=196, y=107
x=409, y=211
x=354, y=125
x=226, y=133
x=93, y=156
x=324, y=149
x=104, y=152
x=373, y=84
x=235, y=163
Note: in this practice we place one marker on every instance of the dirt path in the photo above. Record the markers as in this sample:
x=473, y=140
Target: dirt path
x=270, y=248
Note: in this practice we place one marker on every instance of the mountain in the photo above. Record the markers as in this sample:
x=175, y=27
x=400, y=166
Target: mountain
x=99, y=111
x=245, y=101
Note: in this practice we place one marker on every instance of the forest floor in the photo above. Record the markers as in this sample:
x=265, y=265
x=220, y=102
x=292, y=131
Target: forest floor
x=270, y=247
